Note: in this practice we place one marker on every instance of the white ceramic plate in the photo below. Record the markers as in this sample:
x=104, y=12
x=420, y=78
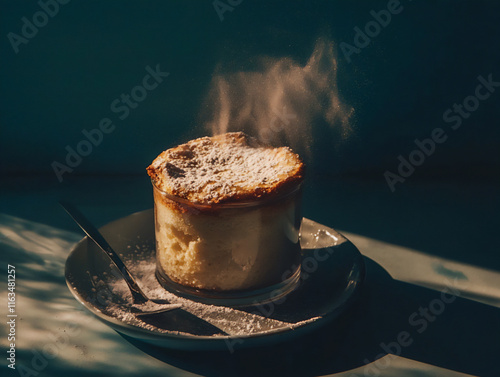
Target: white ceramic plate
x=332, y=272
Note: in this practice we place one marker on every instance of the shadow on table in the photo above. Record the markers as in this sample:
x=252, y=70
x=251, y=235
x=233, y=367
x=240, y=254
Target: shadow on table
x=390, y=317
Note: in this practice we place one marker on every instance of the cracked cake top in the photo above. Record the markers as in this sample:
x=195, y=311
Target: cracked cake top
x=227, y=168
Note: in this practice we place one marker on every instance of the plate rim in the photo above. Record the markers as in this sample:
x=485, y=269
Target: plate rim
x=141, y=333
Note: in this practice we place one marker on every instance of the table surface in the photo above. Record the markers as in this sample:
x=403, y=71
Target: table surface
x=429, y=305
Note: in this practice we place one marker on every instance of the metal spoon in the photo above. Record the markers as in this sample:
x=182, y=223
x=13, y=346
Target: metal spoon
x=142, y=304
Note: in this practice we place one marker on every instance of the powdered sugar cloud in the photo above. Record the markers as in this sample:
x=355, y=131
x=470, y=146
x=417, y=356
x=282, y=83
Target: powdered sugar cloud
x=279, y=103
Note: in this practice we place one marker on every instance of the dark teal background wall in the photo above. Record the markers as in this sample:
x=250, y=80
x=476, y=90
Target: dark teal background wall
x=65, y=78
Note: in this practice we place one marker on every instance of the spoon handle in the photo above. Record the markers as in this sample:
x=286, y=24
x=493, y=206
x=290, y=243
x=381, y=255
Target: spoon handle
x=92, y=232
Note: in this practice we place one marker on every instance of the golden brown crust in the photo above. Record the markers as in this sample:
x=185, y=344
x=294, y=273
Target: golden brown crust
x=225, y=169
